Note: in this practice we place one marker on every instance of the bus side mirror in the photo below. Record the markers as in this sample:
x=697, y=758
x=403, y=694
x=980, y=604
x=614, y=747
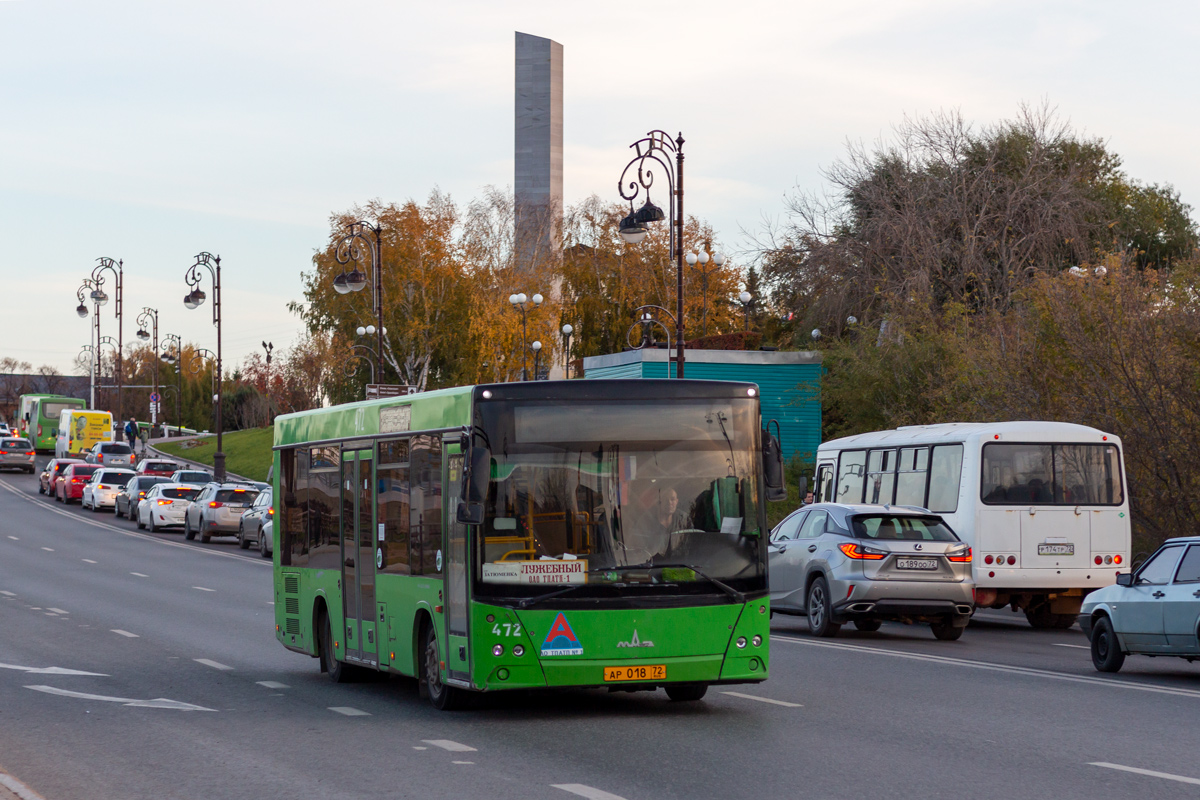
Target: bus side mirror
x=772, y=455
x=803, y=488
x=475, y=485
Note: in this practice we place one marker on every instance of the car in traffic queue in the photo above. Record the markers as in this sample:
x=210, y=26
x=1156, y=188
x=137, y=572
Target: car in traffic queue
x=251, y=524
x=1153, y=610
x=837, y=563
x=101, y=489
x=17, y=454
x=133, y=492
x=266, y=538
x=71, y=482
x=217, y=510
x=157, y=466
x=192, y=477
x=165, y=505
x=52, y=474
x=110, y=454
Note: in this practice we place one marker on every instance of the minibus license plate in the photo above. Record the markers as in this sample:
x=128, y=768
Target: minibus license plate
x=1056, y=549
x=916, y=563
x=652, y=672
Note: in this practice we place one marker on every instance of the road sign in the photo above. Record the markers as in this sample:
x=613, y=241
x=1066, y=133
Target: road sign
x=154, y=398
x=377, y=390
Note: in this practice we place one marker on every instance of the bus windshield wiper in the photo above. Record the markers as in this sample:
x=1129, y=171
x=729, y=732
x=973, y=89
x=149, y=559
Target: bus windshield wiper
x=529, y=601
x=724, y=587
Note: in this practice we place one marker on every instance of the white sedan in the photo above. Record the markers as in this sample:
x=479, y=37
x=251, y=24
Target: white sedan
x=165, y=505
x=101, y=491
x=1152, y=611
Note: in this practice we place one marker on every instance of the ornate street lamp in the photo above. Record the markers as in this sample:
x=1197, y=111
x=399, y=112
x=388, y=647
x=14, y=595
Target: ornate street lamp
x=85, y=290
x=747, y=301
x=117, y=268
x=567, y=330
x=194, y=299
x=519, y=302
x=172, y=353
x=349, y=248
x=655, y=151
x=647, y=321
x=702, y=258
x=536, y=346
x=149, y=317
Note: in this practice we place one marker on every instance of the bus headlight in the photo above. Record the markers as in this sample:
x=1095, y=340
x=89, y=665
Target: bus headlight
x=498, y=650
x=757, y=640
x=741, y=642
x=518, y=650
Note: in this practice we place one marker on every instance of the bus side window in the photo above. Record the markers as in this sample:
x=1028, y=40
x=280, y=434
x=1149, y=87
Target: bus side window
x=881, y=476
x=945, y=475
x=824, y=484
x=395, y=513
x=426, y=504
x=293, y=505
x=851, y=476
x=912, y=476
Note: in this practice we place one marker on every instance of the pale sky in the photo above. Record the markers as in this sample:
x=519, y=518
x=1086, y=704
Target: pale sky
x=149, y=131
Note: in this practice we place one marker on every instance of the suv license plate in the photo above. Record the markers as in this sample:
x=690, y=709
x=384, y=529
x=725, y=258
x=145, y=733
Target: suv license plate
x=1056, y=549
x=653, y=672
x=916, y=563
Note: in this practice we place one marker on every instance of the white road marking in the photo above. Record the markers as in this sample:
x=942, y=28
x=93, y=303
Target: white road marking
x=348, y=711
x=140, y=575
x=58, y=611
x=158, y=702
x=1064, y=644
x=415, y=747
x=763, y=699
x=273, y=685
x=19, y=789
x=52, y=671
x=1112, y=683
x=462, y=762
x=126, y=634
x=201, y=588
x=89, y=561
x=48, y=549
x=1165, y=775
x=7, y=594
x=15, y=538
x=446, y=744
x=214, y=664
x=586, y=791
x=50, y=614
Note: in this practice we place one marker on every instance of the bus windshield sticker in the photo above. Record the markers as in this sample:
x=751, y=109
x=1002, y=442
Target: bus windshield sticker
x=541, y=573
x=396, y=419
x=561, y=640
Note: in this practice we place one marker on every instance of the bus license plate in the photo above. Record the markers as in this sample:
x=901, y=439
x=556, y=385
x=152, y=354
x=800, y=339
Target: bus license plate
x=1056, y=549
x=916, y=563
x=653, y=672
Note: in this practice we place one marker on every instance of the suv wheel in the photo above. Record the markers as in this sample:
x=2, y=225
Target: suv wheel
x=205, y=538
x=820, y=612
x=188, y=533
x=243, y=543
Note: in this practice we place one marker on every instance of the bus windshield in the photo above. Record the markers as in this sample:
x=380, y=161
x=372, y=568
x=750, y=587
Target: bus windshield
x=660, y=494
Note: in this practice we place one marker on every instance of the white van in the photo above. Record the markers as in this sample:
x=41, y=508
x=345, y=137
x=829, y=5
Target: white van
x=79, y=430
x=1043, y=504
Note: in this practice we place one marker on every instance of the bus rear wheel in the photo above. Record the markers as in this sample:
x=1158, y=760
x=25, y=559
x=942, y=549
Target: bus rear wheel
x=338, y=671
x=686, y=692
x=1043, y=619
x=443, y=697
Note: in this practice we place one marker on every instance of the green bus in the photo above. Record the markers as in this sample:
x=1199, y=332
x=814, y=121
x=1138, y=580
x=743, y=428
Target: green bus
x=606, y=533
x=38, y=416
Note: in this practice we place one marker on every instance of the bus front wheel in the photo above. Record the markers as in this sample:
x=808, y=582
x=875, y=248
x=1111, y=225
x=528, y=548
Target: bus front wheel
x=443, y=697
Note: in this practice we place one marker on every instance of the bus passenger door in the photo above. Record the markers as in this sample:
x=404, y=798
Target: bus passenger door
x=358, y=556
x=457, y=585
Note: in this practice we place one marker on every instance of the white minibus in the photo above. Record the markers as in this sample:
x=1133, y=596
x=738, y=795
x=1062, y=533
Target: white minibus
x=1043, y=504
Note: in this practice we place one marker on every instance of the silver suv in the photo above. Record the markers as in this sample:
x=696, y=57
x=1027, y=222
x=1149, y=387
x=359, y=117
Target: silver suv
x=217, y=510
x=837, y=563
x=110, y=454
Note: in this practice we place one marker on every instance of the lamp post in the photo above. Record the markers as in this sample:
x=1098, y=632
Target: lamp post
x=88, y=290
x=537, y=358
x=349, y=370
x=90, y=349
x=149, y=316
x=117, y=268
x=747, y=300
x=268, y=346
x=520, y=302
x=193, y=300
x=349, y=249
x=647, y=321
x=702, y=258
x=166, y=357
x=567, y=330
x=656, y=148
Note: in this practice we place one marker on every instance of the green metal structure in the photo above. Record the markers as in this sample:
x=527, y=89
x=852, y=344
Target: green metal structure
x=528, y=535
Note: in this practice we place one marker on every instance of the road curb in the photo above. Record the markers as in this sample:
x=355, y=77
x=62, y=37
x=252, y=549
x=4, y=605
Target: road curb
x=195, y=464
x=13, y=789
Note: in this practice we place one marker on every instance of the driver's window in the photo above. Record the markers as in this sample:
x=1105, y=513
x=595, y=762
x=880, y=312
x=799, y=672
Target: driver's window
x=814, y=526
x=1161, y=566
x=788, y=528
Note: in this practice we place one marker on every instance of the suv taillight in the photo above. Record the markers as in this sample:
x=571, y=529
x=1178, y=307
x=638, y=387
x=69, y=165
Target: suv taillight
x=860, y=553
x=961, y=558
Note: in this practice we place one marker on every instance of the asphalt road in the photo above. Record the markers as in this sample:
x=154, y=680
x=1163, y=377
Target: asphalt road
x=170, y=684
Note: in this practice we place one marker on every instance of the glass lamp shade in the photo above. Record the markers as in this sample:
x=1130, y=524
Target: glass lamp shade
x=631, y=230
x=744, y=297
x=100, y=296
x=718, y=259
x=512, y=298
x=536, y=346
x=360, y=330
x=143, y=334
x=340, y=285
x=81, y=310
x=567, y=330
x=537, y=299
x=357, y=280
x=370, y=330
x=703, y=257
x=649, y=213
x=189, y=301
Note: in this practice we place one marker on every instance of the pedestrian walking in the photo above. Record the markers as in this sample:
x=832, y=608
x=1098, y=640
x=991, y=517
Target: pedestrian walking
x=131, y=431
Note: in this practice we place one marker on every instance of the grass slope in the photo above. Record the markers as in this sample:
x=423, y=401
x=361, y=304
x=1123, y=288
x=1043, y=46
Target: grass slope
x=247, y=453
